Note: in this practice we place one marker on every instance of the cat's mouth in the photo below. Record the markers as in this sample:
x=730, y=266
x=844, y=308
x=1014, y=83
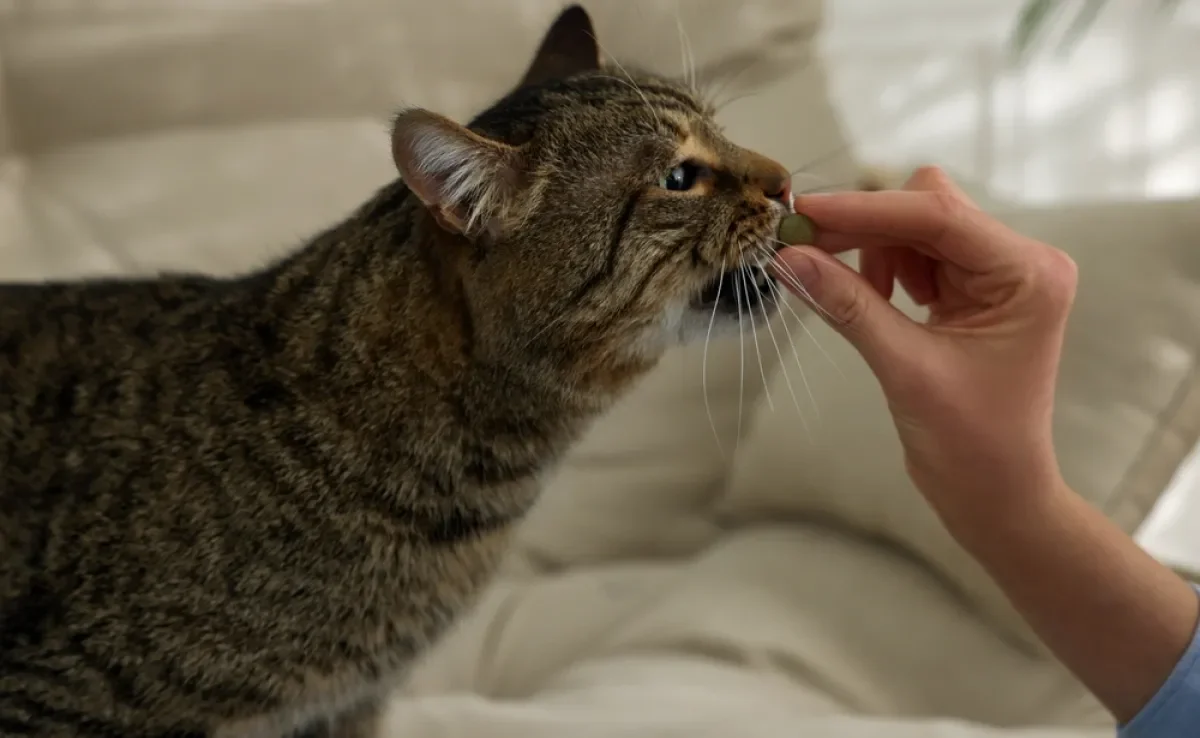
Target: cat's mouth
x=746, y=287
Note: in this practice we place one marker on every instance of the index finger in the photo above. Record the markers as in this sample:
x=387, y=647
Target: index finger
x=936, y=223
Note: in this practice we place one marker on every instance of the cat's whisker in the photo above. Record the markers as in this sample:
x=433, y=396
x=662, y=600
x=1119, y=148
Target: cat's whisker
x=823, y=158
x=704, y=367
x=695, y=83
x=821, y=348
x=683, y=66
x=737, y=293
x=741, y=274
x=782, y=301
x=835, y=187
x=633, y=86
x=685, y=49
x=790, y=278
x=706, y=88
x=628, y=80
x=822, y=181
x=736, y=98
x=779, y=353
x=781, y=295
x=731, y=82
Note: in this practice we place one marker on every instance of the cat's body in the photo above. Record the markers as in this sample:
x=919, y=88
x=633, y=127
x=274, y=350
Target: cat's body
x=232, y=506
x=265, y=492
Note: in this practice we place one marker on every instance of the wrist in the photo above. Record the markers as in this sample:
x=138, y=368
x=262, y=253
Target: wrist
x=1000, y=511
x=1112, y=614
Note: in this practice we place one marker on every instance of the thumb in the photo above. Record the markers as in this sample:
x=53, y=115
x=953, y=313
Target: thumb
x=849, y=304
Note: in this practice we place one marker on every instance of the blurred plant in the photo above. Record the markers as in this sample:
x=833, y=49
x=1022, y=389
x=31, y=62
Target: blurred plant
x=1037, y=16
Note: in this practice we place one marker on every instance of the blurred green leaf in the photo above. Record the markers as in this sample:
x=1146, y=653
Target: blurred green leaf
x=1033, y=19
x=1037, y=15
x=1083, y=21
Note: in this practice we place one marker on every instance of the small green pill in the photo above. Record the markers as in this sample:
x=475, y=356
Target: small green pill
x=796, y=230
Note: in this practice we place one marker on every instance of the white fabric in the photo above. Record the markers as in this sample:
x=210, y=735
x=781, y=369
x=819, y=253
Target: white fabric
x=667, y=696
x=800, y=617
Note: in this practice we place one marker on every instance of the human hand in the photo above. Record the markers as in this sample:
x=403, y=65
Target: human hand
x=972, y=389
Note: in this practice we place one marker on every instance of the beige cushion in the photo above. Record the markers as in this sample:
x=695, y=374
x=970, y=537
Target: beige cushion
x=234, y=130
x=1128, y=400
x=782, y=626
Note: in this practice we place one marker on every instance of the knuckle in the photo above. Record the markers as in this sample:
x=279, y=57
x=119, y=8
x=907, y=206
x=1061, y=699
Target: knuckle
x=935, y=180
x=947, y=203
x=947, y=210
x=1060, y=277
x=928, y=178
x=1064, y=265
x=849, y=308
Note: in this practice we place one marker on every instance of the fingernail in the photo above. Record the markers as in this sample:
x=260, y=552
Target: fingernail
x=811, y=198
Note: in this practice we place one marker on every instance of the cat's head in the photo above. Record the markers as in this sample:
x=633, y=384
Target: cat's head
x=598, y=211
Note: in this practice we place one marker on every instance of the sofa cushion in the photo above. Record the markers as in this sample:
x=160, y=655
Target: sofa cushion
x=124, y=68
x=218, y=199
x=802, y=619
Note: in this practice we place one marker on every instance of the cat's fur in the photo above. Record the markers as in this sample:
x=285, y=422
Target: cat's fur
x=231, y=506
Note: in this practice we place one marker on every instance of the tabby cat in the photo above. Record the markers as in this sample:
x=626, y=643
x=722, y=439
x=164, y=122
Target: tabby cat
x=238, y=506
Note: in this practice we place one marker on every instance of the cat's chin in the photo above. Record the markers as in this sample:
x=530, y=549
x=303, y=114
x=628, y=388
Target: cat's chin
x=742, y=299
x=736, y=292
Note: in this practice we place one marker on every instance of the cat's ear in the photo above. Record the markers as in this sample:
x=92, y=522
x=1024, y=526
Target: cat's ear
x=466, y=180
x=568, y=48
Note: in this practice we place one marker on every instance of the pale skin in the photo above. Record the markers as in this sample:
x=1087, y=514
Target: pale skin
x=971, y=391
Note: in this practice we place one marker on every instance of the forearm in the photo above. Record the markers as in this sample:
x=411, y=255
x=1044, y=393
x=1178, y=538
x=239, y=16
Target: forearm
x=1111, y=613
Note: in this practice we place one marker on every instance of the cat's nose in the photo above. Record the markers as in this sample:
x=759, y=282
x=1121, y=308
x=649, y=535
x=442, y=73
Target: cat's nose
x=776, y=183
x=767, y=176
x=780, y=189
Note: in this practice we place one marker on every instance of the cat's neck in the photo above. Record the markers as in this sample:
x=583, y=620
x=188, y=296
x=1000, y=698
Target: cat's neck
x=375, y=322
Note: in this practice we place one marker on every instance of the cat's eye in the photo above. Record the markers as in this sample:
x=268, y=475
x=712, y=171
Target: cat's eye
x=681, y=178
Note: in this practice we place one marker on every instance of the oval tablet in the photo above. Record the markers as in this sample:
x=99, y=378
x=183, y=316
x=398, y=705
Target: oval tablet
x=796, y=230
